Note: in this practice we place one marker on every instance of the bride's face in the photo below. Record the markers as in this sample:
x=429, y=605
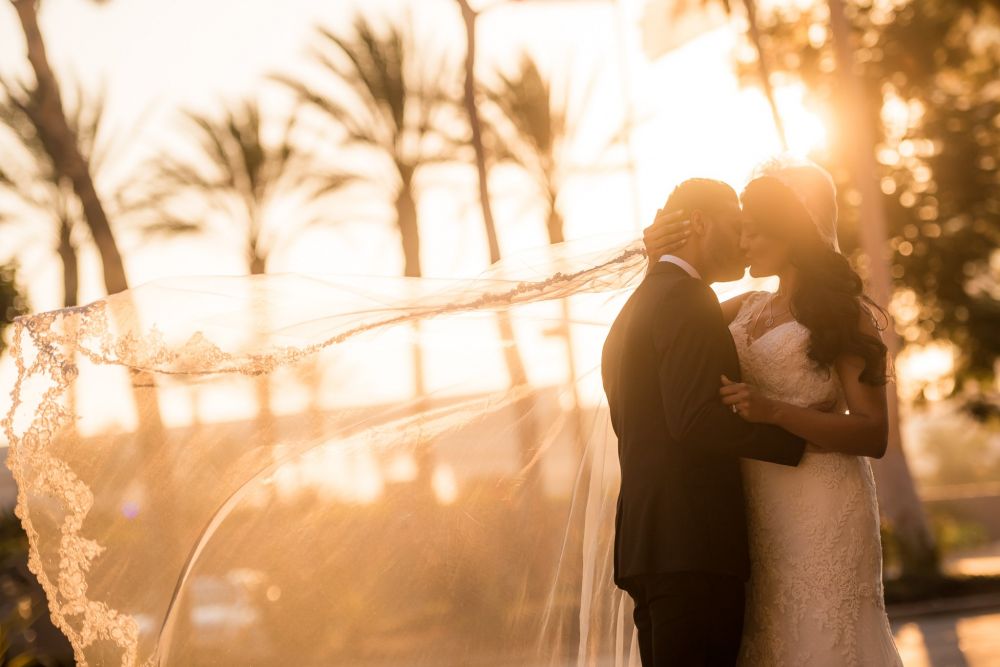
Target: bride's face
x=766, y=254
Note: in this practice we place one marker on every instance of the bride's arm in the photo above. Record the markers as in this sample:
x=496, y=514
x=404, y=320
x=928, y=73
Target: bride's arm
x=864, y=431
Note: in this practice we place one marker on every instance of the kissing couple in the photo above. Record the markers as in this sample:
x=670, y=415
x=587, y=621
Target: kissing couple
x=747, y=526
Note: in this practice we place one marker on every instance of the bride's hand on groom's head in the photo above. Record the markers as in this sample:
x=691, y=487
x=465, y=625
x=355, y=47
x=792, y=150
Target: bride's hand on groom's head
x=669, y=232
x=746, y=401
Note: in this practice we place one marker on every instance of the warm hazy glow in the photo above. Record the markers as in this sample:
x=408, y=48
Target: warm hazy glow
x=961, y=640
x=335, y=470
x=805, y=128
x=910, y=643
x=926, y=369
x=445, y=484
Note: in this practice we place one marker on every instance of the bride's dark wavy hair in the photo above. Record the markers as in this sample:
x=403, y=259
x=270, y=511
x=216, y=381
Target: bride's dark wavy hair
x=829, y=297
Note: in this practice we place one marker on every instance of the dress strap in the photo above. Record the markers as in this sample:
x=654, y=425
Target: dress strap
x=751, y=301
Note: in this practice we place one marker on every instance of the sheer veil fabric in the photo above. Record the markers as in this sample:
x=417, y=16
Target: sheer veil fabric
x=309, y=470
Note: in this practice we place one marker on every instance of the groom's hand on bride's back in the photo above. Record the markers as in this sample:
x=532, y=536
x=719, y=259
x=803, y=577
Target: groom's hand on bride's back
x=669, y=232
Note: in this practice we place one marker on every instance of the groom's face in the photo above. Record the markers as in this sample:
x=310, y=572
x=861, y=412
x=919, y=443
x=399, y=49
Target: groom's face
x=722, y=241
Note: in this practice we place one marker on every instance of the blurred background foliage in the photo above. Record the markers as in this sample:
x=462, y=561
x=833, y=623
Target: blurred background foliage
x=930, y=73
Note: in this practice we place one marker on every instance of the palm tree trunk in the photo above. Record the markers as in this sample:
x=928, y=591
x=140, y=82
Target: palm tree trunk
x=60, y=143
x=898, y=497
x=406, y=216
x=409, y=236
x=554, y=225
x=71, y=295
x=575, y=548
x=262, y=383
x=406, y=219
x=469, y=17
x=557, y=234
x=526, y=419
x=765, y=71
x=68, y=259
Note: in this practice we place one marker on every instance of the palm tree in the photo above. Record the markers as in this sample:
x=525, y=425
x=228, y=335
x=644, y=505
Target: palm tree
x=39, y=192
x=71, y=166
x=394, y=106
x=32, y=182
x=386, y=97
x=237, y=176
x=534, y=127
x=527, y=422
x=471, y=103
x=61, y=144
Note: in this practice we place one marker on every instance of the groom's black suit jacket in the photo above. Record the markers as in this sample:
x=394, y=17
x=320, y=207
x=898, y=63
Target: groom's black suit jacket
x=681, y=505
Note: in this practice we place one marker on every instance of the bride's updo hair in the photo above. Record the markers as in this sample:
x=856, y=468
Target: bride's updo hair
x=829, y=297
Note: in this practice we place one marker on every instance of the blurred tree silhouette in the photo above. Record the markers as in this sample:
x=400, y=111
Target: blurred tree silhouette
x=236, y=174
x=669, y=24
x=12, y=301
x=40, y=191
x=533, y=123
x=45, y=112
x=56, y=134
x=528, y=428
x=534, y=129
x=929, y=73
x=379, y=91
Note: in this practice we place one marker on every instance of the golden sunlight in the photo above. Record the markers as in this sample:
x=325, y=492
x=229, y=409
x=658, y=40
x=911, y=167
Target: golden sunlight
x=927, y=370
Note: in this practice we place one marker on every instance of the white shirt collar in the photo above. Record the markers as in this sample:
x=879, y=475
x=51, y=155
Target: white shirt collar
x=690, y=270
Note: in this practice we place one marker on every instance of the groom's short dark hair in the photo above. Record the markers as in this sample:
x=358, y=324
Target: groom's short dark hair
x=702, y=193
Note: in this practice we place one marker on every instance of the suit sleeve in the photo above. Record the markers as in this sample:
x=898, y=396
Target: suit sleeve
x=693, y=351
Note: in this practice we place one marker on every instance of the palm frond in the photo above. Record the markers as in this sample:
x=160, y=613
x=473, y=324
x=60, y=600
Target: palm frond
x=397, y=88
x=363, y=64
x=319, y=185
x=345, y=71
x=171, y=226
x=211, y=140
x=539, y=119
x=526, y=100
x=340, y=114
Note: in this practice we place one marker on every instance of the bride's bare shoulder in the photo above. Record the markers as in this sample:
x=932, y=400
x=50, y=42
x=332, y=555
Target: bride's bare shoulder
x=731, y=307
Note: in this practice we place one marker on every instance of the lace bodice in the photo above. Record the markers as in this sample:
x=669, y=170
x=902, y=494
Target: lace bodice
x=815, y=595
x=777, y=362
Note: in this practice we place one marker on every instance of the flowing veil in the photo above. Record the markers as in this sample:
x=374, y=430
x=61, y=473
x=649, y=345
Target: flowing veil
x=308, y=470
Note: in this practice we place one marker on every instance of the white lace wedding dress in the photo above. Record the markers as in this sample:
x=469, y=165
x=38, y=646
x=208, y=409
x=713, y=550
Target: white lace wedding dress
x=815, y=595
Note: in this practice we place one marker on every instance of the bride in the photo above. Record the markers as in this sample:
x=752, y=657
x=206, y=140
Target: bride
x=813, y=364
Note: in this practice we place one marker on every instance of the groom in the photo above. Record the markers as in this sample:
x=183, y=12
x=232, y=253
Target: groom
x=680, y=531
